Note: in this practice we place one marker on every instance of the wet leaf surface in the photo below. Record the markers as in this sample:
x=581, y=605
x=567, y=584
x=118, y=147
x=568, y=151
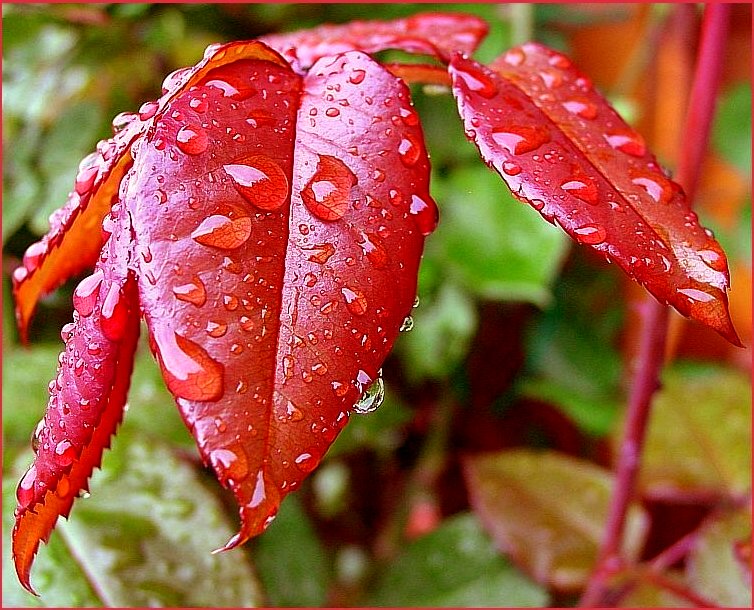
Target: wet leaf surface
x=455, y=566
x=560, y=147
x=518, y=496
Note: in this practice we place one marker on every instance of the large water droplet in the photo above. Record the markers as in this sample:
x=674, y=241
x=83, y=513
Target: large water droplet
x=192, y=292
x=25, y=490
x=696, y=295
x=147, y=110
x=372, y=397
x=85, y=180
x=425, y=214
x=356, y=302
x=521, y=139
x=374, y=250
x=34, y=255
x=188, y=369
x=714, y=260
x=114, y=313
x=216, y=329
x=628, y=142
x=582, y=188
x=581, y=107
x=409, y=150
x=327, y=194
x=192, y=140
x=305, y=462
x=85, y=295
x=478, y=81
x=591, y=234
x=230, y=463
x=260, y=180
x=658, y=187
x=65, y=453
x=357, y=76
x=220, y=231
x=321, y=253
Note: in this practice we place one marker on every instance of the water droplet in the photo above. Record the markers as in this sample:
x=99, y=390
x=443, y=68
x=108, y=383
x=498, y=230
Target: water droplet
x=521, y=139
x=198, y=104
x=188, y=369
x=230, y=302
x=65, y=453
x=340, y=389
x=220, y=231
x=327, y=194
x=714, y=260
x=697, y=295
x=372, y=397
x=559, y=61
x=409, y=150
x=332, y=112
x=374, y=250
x=515, y=57
x=551, y=78
x=147, y=110
x=581, y=107
x=260, y=180
x=305, y=462
x=193, y=292
x=425, y=214
x=230, y=463
x=192, y=140
x=216, y=329
x=123, y=120
x=478, y=81
x=114, y=313
x=591, y=234
x=407, y=325
x=85, y=180
x=86, y=293
x=628, y=142
x=511, y=168
x=583, y=188
x=288, y=364
x=25, y=491
x=321, y=253
x=307, y=376
x=34, y=254
x=357, y=76
x=36, y=437
x=658, y=187
x=319, y=369
x=356, y=302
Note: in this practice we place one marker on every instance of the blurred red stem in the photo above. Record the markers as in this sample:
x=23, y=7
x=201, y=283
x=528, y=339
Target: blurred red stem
x=650, y=357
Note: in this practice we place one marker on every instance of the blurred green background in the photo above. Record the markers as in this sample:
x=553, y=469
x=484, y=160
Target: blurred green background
x=517, y=341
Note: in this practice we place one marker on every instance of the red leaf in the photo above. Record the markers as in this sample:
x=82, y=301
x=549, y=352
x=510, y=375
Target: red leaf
x=294, y=212
x=436, y=34
x=559, y=146
x=86, y=399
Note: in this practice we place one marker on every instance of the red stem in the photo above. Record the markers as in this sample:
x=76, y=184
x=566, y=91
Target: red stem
x=654, y=315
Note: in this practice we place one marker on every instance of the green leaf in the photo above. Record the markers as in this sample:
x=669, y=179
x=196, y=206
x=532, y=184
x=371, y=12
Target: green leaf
x=455, y=566
x=444, y=324
x=547, y=511
x=731, y=133
x=490, y=243
x=699, y=436
x=145, y=537
x=713, y=568
x=291, y=561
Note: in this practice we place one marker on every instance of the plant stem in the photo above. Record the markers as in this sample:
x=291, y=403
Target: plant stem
x=654, y=315
x=522, y=22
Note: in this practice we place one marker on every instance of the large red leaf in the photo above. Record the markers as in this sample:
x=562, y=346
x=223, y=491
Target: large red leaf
x=559, y=146
x=435, y=34
x=280, y=237
x=86, y=398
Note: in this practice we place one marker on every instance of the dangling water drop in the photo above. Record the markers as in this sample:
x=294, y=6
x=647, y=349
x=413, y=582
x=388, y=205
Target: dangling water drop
x=260, y=180
x=220, y=231
x=25, y=489
x=425, y=214
x=85, y=295
x=372, y=398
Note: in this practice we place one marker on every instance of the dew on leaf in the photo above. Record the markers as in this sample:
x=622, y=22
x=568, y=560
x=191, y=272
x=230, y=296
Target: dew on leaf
x=521, y=139
x=114, y=313
x=658, y=188
x=328, y=192
x=478, y=81
x=305, y=462
x=147, y=110
x=85, y=180
x=409, y=151
x=591, y=234
x=581, y=107
x=696, y=295
x=85, y=295
x=628, y=142
x=259, y=180
x=407, y=325
x=192, y=140
x=65, y=453
x=583, y=188
x=425, y=214
x=34, y=254
x=357, y=76
x=188, y=369
x=714, y=260
x=220, y=231
x=230, y=463
x=356, y=302
x=192, y=292
x=25, y=489
x=321, y=253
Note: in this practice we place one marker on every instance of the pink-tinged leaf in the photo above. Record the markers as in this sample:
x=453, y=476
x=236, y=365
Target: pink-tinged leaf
x=560, y=147
x=435, y=34
x=280, y=241
x=520, y=497
x=86, y=398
